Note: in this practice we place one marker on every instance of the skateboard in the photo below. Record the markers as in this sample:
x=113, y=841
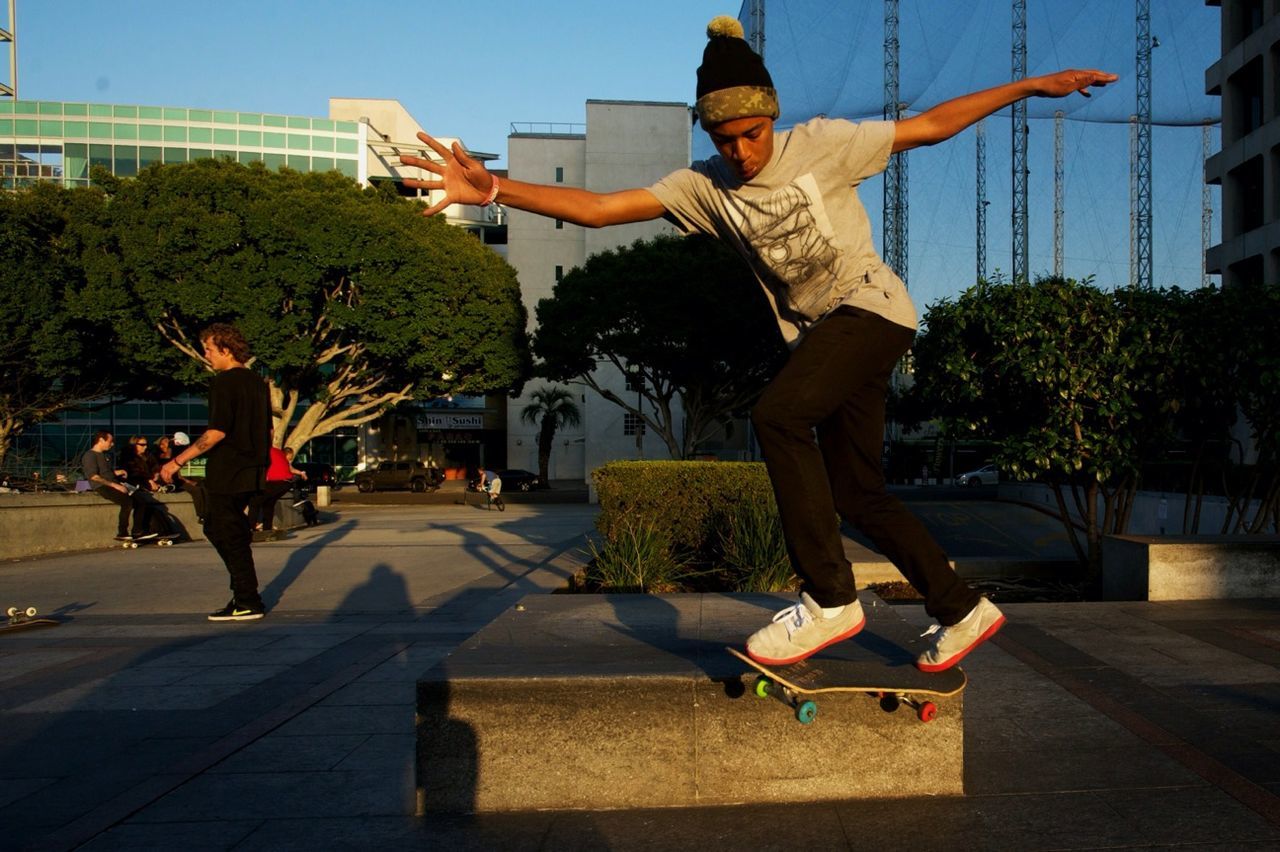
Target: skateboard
x=165, y=540
x=834, y=669
x=25, y=617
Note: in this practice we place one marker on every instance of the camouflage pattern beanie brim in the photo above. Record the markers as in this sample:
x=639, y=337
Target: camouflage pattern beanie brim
x=732, y=80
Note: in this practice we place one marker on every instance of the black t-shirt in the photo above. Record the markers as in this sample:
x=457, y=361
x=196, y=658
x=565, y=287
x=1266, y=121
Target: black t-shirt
x=240, y=407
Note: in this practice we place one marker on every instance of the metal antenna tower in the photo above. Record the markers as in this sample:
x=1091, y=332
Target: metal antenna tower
x=980, y=213
x=10, y=89
x=1206, y=207
x=1142, y=163
x=756, y=36
x=1057, y=193
x=895, y=176
x=1019, y=213
x=1133, y=201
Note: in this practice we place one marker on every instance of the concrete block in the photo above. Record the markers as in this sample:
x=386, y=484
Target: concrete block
x=61, y=522
x=631, y=701
x=1171, y=568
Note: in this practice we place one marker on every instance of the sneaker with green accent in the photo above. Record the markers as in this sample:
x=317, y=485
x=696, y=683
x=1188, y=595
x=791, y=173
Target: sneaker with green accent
x=238, y=612
x=802, y=630
x=954, y=642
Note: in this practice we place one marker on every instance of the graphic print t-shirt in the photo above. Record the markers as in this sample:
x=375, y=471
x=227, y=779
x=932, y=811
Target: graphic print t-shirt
x=799, y=223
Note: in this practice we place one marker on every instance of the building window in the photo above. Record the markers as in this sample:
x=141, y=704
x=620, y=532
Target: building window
x=632, y=424
x=559, y=224
x=559, y=174
x=1246, y=183
x=559, y=274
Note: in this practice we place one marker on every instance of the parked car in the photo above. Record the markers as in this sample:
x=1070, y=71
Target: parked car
x=986, y=475
x=520, y=480
x=317, y=474
x=391, y=475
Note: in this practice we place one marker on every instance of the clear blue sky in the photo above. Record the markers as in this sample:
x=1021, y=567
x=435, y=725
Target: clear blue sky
x=470, y=70
x=461, y=69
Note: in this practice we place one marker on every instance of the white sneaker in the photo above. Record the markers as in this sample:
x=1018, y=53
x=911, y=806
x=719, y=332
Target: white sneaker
x=954, y=642
x=800, y=631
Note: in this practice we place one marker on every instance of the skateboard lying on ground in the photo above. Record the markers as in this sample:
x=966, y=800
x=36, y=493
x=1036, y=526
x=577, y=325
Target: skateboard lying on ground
x=24, y=617
x=165, y=540
x=843, y=668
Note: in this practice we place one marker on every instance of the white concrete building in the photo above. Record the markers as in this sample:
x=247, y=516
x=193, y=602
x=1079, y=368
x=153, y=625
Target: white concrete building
x=623, y=144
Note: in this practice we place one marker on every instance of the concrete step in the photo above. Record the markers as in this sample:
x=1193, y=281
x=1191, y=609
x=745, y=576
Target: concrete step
x=631, y=701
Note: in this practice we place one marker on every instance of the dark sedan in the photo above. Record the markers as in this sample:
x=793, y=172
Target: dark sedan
x=520, y=480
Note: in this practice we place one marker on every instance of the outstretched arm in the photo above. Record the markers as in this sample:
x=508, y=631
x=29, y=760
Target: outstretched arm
x=947, y=119
x=465, y=181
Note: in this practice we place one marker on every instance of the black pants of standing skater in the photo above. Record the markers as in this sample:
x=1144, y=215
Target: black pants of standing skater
x=835, y=383
x=226, y=526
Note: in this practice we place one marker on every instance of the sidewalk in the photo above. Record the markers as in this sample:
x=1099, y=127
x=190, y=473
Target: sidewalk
x=138, y=724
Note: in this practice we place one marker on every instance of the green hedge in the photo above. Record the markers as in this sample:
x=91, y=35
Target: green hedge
x=689, y=501
x=717, y=521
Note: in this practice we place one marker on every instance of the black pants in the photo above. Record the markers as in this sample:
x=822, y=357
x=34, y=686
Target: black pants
x=262, y=508
x=835, y=382
x=227, y=528
x=138, y=504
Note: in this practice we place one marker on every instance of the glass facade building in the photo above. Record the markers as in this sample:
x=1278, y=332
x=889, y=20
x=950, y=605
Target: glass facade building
x=51, y=140
x=63, y=141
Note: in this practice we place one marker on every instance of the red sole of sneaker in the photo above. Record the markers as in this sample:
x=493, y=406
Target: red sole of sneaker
x=853, y=631
x=942, y=667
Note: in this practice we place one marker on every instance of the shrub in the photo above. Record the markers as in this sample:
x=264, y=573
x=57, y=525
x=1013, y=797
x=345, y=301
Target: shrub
x=754, y=551
x=637, y=559
x=689, y=501
x=716, y=517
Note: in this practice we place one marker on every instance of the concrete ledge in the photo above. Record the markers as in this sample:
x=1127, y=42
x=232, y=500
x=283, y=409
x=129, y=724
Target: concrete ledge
x=61, y=522
x=630, y=701
x=1171, y=568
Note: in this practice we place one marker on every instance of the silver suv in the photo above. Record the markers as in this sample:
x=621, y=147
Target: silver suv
x=391, y=475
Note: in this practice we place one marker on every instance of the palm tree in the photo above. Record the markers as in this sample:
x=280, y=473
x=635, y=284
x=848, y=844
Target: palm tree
x=553, y=407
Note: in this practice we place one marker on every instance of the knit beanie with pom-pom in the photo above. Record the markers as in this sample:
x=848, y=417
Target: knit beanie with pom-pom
x=732, y=80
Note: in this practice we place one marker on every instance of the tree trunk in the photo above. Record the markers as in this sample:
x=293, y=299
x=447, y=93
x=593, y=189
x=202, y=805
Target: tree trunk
x=6, y=439
x=546, y=439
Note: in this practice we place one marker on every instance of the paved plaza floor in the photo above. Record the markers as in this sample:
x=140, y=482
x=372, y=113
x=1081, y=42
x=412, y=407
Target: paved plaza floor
x=137, y=724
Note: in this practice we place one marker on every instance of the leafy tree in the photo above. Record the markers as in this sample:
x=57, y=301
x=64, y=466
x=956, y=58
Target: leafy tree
x=351, y=301
x=1076, y=386
x=51, y=359
x=551, y=408
x=685, y=311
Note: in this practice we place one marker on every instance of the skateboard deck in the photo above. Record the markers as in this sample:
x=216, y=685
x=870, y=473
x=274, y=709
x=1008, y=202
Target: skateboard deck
x=846, y=667
x=24, y=618
x=165, y=540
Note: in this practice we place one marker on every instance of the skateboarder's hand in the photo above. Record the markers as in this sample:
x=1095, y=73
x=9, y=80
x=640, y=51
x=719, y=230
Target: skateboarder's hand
x=463, y=178
x=167, y=472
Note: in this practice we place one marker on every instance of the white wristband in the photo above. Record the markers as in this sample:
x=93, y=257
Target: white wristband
x=493, y=192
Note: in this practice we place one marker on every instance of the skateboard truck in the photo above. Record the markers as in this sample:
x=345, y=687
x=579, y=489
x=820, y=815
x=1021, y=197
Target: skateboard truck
x=18, y=614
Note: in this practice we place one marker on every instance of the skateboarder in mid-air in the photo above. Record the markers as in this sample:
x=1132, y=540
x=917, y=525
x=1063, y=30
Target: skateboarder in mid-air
x=786, y=201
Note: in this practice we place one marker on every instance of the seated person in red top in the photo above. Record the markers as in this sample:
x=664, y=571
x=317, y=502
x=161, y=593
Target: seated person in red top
x=262, y=508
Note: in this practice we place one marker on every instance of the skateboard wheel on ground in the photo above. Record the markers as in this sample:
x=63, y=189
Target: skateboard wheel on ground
x=763, y=687
x=165, y=542
x=927, y=712
x=806, y=711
